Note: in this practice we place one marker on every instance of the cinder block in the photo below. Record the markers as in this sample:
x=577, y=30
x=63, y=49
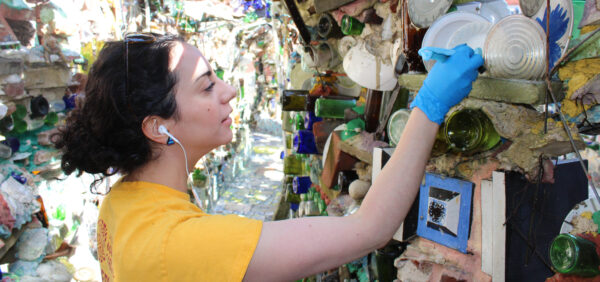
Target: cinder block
x=46, y=77
x=10, y=66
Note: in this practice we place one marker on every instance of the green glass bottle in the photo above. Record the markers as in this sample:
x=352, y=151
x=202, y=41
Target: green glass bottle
x=470, y=131
x=299, y=121
x=287, y=121
x=19, y=126
x=351, y=26
x=332, y=108
x=292, y=165
x=440, y=146
x=51, y=119
x=290, y=196
x=574, y=255
x=293, y=100
x=20, y=112
x=289, y=140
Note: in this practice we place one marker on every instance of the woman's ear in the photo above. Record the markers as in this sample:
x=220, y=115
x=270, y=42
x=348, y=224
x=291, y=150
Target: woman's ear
x=150, y=126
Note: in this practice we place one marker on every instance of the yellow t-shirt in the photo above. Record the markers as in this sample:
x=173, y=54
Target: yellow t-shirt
x=150, y=232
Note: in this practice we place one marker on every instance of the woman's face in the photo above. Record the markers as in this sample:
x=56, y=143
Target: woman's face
x=202, y=102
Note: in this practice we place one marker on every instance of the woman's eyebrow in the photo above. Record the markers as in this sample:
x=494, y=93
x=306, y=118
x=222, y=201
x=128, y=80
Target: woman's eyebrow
x=203, y=75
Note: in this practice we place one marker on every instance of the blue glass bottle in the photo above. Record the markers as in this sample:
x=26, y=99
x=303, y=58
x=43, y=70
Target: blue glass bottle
x=304, y=142
x=301, y=184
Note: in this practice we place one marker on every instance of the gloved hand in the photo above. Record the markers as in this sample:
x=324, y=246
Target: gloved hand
x=448, y=83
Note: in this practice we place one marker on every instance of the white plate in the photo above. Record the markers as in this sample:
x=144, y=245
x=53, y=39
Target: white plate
x=493, y=11
x=590, y=205
x=472, y=34
x=441, y=31
x=561, y=26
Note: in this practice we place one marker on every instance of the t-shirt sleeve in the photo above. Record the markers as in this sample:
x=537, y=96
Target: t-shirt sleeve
x=211, y=248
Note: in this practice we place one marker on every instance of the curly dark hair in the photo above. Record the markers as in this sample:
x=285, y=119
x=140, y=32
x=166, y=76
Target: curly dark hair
x=104, y=136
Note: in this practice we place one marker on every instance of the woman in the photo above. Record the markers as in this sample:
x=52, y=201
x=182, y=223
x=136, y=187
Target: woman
x=145, y=93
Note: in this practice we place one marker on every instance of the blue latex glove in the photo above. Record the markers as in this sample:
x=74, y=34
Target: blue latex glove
x=434, y=53
x=440, y=54
x=448, y=82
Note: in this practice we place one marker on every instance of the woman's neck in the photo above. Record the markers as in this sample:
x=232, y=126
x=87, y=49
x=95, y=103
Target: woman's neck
x=165, y=170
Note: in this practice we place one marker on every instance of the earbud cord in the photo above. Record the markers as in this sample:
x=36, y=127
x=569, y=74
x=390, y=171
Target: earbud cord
x=188, y=175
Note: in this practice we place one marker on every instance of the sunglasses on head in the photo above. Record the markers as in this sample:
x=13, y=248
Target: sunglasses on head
x=134, y=38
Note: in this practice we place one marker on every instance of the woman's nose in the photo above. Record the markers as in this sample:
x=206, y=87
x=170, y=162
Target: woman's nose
x=228, y=93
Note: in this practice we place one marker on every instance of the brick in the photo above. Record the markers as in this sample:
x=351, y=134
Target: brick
x=336, y=161
x=14, y=89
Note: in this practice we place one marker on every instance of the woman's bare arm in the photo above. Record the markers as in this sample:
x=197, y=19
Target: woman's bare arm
x=293, y=249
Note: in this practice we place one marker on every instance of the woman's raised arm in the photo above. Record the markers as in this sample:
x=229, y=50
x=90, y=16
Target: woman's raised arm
x=293, y=249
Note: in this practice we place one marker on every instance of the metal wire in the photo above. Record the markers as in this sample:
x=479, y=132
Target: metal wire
x=549, y=91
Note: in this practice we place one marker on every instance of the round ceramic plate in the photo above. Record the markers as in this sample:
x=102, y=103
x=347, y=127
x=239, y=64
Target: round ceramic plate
x=424, y=12
x=472, y=34
x=515, y=48
x=347, y=87
x=396, y=125
x=589, y=205
x=561, y=26
x=298, y=76
x=440, y=32
x=530, y=7
x=493, y=11
x=345, y=44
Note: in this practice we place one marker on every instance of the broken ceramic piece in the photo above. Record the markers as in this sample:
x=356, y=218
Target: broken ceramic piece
x=590, y=92
x=424, y=13
x=591, y=13
x=561, y=26
x=530, y=7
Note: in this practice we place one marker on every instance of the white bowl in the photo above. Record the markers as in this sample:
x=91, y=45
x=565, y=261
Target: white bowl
x=368, y=70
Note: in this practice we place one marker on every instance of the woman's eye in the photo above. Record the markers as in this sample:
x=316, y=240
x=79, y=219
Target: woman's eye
x=210, y=88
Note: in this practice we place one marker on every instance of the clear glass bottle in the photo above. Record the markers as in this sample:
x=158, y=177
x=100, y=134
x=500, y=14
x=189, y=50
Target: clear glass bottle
x=328, y=27
x=6, y=124
x=571, y=254
x=345, y=177
x=287, y=121
x=470, y=131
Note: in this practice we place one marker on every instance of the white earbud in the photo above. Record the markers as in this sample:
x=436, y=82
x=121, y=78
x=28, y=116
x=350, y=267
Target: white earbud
x=162, y=129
